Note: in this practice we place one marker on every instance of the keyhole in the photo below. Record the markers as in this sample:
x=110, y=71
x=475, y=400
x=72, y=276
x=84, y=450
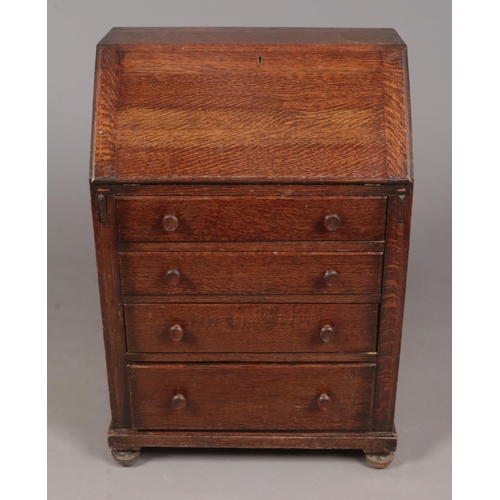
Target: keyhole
x=259, y=59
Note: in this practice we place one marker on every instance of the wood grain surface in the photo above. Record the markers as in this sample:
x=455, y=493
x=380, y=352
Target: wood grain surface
x=368, y=441
x=392, y=309
x=253, y=357
x=252, y=396
x=357, y=38
x=251, y=327
x=247, y=123
x=232, y=171
x=397, y=112
x=173, y=59
x=104, y=126
x=256, y=299
x=250, y=219
x=252, y=246
x=277, y=272
x=271, y=188
x=111, y=311
x=309, y=106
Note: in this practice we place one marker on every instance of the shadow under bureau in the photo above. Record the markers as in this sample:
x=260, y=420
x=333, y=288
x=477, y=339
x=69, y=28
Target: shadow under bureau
x=251, y=196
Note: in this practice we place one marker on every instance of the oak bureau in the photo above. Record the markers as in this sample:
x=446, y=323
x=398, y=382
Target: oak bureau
x=251, y=196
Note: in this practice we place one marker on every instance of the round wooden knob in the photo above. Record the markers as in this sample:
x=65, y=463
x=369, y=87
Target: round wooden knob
x=179, y=402
x=172, y=277
x=170, y=223
x=324, y=401
x=332, y=222
x=330, y=277
x=327, y=333
x=176, y=332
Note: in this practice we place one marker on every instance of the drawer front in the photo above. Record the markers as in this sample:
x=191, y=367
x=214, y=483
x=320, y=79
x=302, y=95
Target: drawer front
x=292, y=273
x=177, y=218
x=252, y=396
x=251, y=327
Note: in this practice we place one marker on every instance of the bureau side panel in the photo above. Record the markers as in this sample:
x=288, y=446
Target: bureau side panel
x=104, y=124
x=103, y=213
x=391, y=310
x=397, y=113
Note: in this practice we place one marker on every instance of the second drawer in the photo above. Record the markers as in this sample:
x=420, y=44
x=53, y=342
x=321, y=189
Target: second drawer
x=251, y=327
x=233, y=273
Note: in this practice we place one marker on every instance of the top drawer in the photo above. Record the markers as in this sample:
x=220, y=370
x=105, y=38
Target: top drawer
x=231, y=218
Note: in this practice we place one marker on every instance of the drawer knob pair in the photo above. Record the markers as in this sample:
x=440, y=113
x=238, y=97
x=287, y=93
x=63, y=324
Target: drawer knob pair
x=173, y=277
x=179, y=401
x=176, y=333
x=171, y=223
x=332, y=222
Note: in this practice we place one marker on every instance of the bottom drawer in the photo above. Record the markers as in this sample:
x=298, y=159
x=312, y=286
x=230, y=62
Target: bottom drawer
x=252, y=396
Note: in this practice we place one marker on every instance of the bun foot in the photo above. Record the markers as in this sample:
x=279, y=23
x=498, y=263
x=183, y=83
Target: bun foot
x=379, y=460
x=126, y=457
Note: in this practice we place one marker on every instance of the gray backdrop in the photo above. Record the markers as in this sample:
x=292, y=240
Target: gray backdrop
x=80, y=464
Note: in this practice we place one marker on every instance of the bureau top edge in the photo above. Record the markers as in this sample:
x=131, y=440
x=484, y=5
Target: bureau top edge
x=347, y=37
x=214, y=182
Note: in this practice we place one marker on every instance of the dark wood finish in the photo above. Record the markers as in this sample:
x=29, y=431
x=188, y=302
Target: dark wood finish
x=303, y=37
x=368, y=441
x=255, y=246
x=251, y=197
x=391, y=311
x=254, y=357
x=251, y=327
x=252, y=190
x=177, y=126
x=211, y=61
x=250, y=219
x=103, y=208
x=126, y=458
x=104, y=131
x=244, y=143
x=231, y=396
x=243, y=273
x=251, y=119
x=379, y=460
x=397, y=112
x=257, y=299
x=112, y=313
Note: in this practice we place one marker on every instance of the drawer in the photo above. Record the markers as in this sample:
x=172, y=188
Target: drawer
x=251, y=327
x=177, y=218
x=251, y=396
x=281, y=273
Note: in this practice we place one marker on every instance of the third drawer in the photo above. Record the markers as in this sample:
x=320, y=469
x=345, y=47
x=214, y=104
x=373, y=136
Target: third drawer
x=230, y=328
